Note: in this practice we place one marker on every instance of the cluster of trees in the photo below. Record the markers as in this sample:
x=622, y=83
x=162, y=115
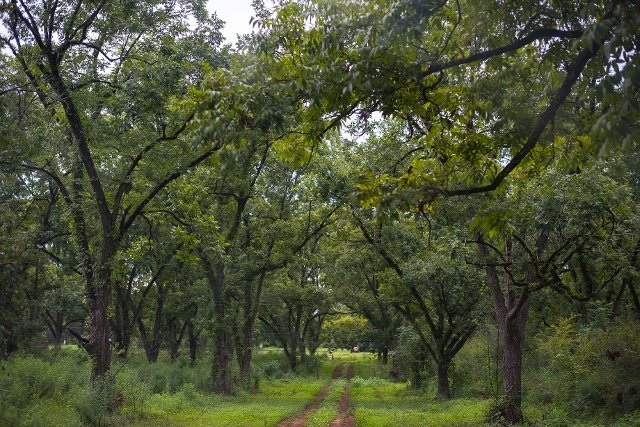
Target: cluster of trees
x=404, y=162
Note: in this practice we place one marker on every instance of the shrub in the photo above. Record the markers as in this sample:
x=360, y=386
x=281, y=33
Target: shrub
x=272, y=369
x=94, y=403
x=134, y=396
x=590, y=369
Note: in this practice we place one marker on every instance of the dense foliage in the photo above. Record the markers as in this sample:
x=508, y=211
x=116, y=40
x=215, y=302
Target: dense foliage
x=452, y=186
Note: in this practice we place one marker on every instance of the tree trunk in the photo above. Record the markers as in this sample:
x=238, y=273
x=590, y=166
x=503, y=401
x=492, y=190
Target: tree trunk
x=193, y=343
x=443, y=380
x=99, y=338
x=122, y=323
x=152, y=351
x=245, y=350
x=293, y=355
x=221, y=356
x=56, y=327
x=512, y=369
x=151, y=347
x=385, y=355
x=174, y=350
x=175, y=337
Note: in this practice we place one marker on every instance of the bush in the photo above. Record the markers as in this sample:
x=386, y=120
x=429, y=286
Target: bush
x=473, y=370
x=272, y=369
x=134, y=396
x=372, y=382
x=589, y=370
x=94, y=403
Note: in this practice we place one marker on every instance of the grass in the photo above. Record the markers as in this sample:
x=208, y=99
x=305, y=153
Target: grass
x=329, y=407
x=379, y=402
x=277, y=399
x=54, y=390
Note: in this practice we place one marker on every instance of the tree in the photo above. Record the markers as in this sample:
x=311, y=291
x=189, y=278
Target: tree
x=436, y=68
x=561, y=232
x=87, y=64
x=434, y=290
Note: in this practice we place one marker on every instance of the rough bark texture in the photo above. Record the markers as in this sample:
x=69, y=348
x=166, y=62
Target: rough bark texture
x=512, y=368
x=443, y=380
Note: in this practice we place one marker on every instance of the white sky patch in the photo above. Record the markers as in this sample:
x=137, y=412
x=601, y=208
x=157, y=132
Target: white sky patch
x=236, y=15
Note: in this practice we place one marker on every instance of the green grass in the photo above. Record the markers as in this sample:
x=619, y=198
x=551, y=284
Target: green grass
x=329, y=407
x=379, y=402
x=276, y=400
x=54, y=389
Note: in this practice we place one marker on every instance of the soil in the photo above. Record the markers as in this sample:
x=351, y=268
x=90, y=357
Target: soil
x=337, y=373
x=301, y=419
x=345, y=417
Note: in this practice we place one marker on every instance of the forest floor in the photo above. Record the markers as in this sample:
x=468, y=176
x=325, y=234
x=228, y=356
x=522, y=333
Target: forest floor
x=344, y=390
x=350, y=390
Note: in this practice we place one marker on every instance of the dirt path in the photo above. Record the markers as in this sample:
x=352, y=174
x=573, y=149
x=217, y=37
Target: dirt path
x=345, y=417
x=337, y=373
x=301, y=419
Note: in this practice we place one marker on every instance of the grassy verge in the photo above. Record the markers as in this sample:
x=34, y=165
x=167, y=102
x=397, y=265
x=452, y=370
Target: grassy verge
x=379, y=402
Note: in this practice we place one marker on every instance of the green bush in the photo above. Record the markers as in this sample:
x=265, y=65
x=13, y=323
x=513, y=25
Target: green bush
x=134, y=396
x=473, y=370
x=589, y=370
x=272, y=369
x=94, y=403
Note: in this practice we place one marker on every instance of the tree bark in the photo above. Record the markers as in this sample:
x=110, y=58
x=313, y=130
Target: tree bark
x=222, y=342
x=512, y=368
x=511, y=315
x=245, y=349
x=193, y=342
x=99, y=337
x=443, y=380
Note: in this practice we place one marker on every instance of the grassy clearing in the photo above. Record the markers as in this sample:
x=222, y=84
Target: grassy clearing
x=378, y=402
x=276, y=400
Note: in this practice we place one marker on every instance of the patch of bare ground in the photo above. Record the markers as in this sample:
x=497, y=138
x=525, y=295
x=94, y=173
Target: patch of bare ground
x=350, y=371
x=337, y=373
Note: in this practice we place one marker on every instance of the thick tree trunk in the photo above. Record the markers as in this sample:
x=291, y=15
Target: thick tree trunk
x=443, y=380
x=221, y=358
x=122, y=323
x=512, y=369
x=385, y=355
x=245, y=350
x=152, y=351
x=99, y=338
x=175, y=337
x=174, y=350
x=151, y=346
x=222, y=342
x=293, y=355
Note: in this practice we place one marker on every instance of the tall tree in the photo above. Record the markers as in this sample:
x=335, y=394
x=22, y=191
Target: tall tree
x=87, y=64
x=561, y=232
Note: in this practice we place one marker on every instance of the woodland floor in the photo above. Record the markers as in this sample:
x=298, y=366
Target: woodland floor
x=350, y=390
x=345, y=390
